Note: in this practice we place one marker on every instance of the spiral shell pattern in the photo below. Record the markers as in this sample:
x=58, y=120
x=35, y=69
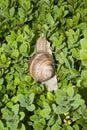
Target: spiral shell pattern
x=41, y=66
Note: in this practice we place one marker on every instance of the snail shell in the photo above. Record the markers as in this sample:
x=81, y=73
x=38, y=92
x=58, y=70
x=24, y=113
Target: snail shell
x=41, y=66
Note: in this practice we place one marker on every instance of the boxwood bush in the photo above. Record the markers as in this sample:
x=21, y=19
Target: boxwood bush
x=26, y=104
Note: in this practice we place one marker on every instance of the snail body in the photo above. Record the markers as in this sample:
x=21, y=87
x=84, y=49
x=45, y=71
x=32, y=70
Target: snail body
x=41, y=45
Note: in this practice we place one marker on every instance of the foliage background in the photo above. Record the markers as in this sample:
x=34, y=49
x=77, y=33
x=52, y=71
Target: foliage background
x=24, y=103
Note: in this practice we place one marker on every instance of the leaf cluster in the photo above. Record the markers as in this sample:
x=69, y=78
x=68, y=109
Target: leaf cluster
x=26, y=104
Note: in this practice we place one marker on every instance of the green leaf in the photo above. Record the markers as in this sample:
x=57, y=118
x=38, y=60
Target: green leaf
x=70, y=22
x=45, y=113
x=61, y=100
x=83, y=43
x=19, y=38
x=51, y=121
x=15, y=54
x=0, y=88
x=28, y=78
x=12, y=11
x=77, y=101
x=50, y=96
x=25, y=4
x=22, y=115
x=63, y=56
x=84, y=63
x=75, y=53
x=3, y=58
x=46, y=105
x=14, y=99
x=57, y=11
x=59, y=121
x=31, y=107
x=82, y=111
x=83, y=54
x=1, y=125
x=37, y=126
x=54, y=107
x=5, y=98
x=23, y=48
x=85, y=2
x=34, y=118
x=84, y=74
x=50, y=19
x=22, y=127
x=12, y=125
x=21, y=99
x=9, y=104
x=16, y=80
x=26, y=101
x=12, y=120
x=62, y=110
x=32, y=95
x=48, y=128
x=81, y=26
x=1, y=81
x=76, y=116
x=55, y=127
x=11, y=38
x=76, y=127
x=70, y=91
x=21, y=13
x=15, y=109
x=69, y=128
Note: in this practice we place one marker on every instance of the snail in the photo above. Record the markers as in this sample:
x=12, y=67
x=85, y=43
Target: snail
x=41, y=65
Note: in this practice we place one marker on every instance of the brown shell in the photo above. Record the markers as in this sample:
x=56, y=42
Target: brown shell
x=41, y=66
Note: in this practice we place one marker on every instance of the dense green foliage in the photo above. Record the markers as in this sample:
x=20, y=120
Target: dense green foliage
x=26, y=104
